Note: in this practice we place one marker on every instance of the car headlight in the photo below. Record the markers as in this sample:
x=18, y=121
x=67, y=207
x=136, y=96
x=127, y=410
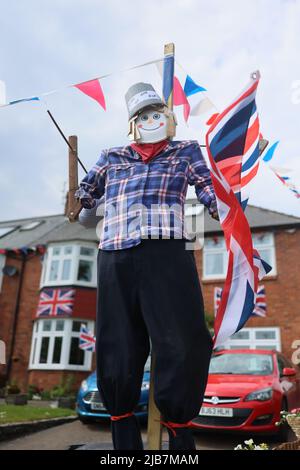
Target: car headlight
x=145, y=385
x=260, y=395
x=84, y=385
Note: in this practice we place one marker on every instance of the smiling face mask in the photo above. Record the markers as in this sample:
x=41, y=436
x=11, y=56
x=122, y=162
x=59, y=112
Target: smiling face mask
x=152, y=126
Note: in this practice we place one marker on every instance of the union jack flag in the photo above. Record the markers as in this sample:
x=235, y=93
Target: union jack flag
x=232, y=143
x=217, y=298
x=87, y=340
x=55, y=302
x=260, y=308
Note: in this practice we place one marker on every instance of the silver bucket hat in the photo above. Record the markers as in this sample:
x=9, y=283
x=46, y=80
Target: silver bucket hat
x=139, y=96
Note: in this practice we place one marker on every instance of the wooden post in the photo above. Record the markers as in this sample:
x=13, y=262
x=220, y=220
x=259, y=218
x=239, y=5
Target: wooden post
x=154, y=416
x=74, y=206
x=154, y=431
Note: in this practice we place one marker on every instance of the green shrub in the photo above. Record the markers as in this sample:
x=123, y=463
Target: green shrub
x=64, y=389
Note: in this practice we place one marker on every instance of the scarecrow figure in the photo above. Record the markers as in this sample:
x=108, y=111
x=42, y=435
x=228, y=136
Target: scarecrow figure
x=148, y=285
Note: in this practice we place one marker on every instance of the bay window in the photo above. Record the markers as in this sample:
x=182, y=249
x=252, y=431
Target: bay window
x=70, y=264
x=255, y=338
x=55, y=345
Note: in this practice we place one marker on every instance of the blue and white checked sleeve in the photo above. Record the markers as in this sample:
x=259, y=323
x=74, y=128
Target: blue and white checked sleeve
x=92, y=185
x=199, y=176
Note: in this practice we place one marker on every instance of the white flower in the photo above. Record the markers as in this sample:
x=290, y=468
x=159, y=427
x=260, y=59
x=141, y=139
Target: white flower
x=249, y=442
x=238, y=447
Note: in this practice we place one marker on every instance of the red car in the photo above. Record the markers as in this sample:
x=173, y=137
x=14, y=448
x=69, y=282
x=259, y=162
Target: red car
x=247, y=389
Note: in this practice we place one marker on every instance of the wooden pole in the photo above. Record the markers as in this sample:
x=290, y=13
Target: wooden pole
x=74, y=206
x=154, y=416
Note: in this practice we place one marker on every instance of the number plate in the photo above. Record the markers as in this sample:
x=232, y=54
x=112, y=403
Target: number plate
x=97, y=406
x=211, y=411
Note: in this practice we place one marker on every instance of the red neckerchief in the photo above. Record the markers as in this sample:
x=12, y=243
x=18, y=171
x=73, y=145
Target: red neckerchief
x=148, y=151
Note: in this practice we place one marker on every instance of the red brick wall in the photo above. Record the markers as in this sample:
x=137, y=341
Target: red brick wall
x=28, y=298
x=282, y=291
x=85, y=302
x=47, y=379
x=7, y=305
x=28, y=302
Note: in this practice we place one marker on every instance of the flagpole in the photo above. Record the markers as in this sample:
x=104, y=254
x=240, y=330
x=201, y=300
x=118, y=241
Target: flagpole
x=74, y=205
x=66, y=140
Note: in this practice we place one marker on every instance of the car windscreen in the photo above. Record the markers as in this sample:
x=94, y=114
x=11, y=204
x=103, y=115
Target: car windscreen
x=241, y=363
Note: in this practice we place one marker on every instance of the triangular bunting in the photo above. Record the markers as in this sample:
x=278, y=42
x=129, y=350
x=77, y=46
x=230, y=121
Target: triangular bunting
x=190, y=87
x=93, y=89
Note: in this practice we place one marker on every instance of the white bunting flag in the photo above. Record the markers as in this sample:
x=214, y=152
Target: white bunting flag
x=2, y=93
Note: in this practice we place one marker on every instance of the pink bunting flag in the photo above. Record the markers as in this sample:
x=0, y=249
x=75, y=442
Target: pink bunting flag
x=93, y=89
x=180, y=98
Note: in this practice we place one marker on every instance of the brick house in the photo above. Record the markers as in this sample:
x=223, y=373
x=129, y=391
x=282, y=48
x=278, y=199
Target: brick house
x=44, y=254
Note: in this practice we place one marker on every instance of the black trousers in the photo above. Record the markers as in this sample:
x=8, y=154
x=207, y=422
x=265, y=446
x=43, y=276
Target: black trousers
x=151, y=290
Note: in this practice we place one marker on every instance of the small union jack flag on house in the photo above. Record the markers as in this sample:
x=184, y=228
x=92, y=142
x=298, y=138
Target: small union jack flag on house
x=56, y=302
x=260, y=308
x=217, y=298
x=87, y=340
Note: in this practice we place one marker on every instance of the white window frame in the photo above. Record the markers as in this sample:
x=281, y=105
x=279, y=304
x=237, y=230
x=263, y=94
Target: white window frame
x=66, y=334
x=252, y=342
x=209, y=250
x=268, y=246
x=2, y=264
x=75, y=258
x=222, y=250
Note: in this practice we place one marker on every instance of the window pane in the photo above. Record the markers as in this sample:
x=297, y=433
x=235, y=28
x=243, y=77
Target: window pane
x=54, y=270
x=262, y=239
x=239, y=346
x=36, y=326
x=44, y=350
x=46, y=325
x=76, y=325
x=265, y=334
x=214, y=264
x=87, y=251
x=68, y=250
x=266, y=255
x=85, y=270
x=216, y=242
x=60, y=324
x=66, y=270
x=241, y=335
x=266, y=346
x=57, y=350
x=56, y=251
x=76, y=354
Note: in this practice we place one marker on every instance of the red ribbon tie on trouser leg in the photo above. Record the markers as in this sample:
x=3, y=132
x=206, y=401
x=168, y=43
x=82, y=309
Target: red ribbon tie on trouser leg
x=116, y=418
x=171, y=425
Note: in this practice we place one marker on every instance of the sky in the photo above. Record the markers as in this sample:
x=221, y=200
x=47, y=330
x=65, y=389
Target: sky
x=55, y=43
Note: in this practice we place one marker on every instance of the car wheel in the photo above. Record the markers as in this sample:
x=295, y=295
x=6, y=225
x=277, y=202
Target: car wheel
x=84, y=420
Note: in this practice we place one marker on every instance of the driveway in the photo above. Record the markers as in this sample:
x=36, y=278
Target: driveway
x=75, y=433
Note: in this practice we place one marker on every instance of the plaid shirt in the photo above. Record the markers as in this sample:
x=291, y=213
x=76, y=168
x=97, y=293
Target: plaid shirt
x=146, y=199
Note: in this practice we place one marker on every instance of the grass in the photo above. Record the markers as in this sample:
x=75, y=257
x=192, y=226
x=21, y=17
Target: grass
x=18, y=414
